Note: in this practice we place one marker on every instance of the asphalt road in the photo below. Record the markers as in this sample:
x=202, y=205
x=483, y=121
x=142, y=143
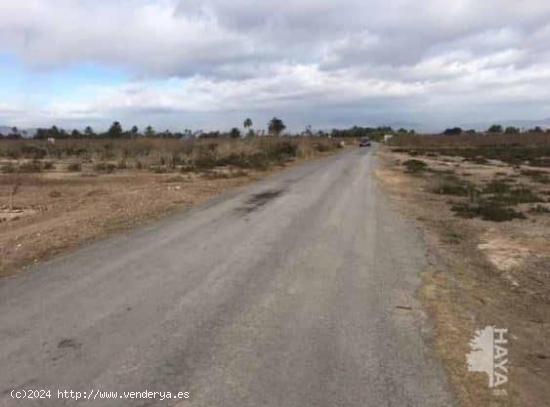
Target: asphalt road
x=296, y=291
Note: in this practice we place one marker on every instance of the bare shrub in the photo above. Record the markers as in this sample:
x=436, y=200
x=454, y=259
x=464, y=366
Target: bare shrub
x=74, y=167
x=486, y=211
x=415, y=166
x=48, y=165
x=104, y=167
x=451, y=185
x=30, y=166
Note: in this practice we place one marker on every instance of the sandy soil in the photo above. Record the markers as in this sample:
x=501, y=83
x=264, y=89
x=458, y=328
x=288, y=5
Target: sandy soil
x=482, y=274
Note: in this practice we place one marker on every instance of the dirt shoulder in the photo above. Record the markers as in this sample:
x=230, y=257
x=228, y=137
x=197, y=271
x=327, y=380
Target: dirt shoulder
x=483, y=272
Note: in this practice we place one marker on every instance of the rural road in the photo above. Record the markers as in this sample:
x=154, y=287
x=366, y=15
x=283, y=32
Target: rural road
x=296, y=291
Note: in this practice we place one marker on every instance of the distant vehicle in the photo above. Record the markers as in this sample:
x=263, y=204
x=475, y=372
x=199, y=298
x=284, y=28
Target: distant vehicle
x=365, y=142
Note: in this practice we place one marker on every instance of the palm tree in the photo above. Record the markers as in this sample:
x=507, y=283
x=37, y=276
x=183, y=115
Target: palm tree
x=115, y=131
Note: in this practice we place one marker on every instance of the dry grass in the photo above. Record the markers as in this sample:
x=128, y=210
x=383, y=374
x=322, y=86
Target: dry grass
x=158, y=155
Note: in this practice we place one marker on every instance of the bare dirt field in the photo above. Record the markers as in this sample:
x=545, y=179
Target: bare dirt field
x=54, y=198
x=483, y=205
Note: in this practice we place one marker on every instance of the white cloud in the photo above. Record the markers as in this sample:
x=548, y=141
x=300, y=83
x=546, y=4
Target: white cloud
x=221, y=56
x=289, y=86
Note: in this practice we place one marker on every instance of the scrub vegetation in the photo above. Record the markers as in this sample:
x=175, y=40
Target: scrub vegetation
x=483, y=203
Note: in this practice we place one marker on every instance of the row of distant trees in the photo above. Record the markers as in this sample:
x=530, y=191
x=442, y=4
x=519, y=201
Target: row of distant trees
x=115, y=131
x=372, y=132
x=275, y=127
x=495, y=129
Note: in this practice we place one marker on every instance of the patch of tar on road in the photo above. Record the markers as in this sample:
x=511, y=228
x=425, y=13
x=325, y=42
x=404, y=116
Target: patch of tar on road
x=64, y=347
x=258, y=200
x=69, y=343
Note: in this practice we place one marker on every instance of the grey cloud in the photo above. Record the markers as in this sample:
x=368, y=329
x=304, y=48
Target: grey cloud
x=215, y=36
x=404, y=56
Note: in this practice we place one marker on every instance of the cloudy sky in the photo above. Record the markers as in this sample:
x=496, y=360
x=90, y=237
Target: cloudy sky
x=329, y=63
